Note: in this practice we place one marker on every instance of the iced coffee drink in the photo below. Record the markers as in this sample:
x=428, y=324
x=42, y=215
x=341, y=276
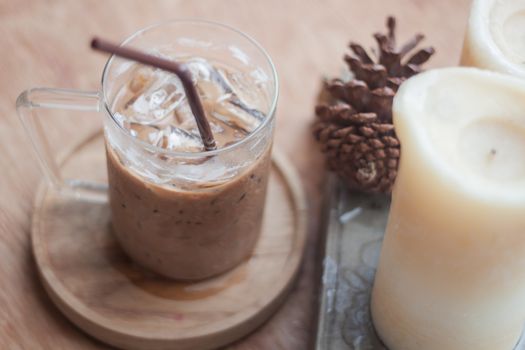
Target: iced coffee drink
x=189, y=114
x=176, y=209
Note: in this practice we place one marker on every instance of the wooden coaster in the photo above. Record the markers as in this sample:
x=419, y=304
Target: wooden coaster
x=99, y=289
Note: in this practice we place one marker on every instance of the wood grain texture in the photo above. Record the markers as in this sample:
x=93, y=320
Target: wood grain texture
x=102, y=291
x=45, y=43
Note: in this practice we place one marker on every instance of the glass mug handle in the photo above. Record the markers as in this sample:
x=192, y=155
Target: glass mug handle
x=27, y=106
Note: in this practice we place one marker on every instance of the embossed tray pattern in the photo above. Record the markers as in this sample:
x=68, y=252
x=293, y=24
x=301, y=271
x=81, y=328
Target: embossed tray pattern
x=355, y=225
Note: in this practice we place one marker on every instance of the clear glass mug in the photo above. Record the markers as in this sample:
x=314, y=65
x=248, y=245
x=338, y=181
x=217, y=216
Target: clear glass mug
x=182, y=215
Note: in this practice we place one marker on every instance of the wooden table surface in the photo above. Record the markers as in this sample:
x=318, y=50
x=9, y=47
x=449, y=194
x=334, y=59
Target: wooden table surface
x=45, y=43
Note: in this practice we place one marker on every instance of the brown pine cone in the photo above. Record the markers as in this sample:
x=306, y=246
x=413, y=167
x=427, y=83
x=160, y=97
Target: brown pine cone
x=354, y=118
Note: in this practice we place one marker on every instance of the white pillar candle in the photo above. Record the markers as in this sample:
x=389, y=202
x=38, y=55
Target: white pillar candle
x=451, y=275
x=495, y=37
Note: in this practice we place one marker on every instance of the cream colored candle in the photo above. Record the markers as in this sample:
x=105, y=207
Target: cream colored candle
x=495, y=37
x=451, y=274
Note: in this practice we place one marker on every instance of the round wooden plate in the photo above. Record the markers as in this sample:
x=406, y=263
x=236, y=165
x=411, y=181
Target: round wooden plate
x=98, y=288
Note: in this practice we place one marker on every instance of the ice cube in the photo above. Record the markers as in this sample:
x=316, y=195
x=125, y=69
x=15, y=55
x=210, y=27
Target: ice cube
x=230, y=88
x=149, y=133
x=207, y=79
x=237, y=115
x=200, y=69
x=141, y=79
x=177, y=139
x=156, y=101
x=237, y=102
x=183, y=113
x=121, y=120
x=241, y=87
x=216, y=128
x=240, y=99
x=232, y=123
x=218, y=76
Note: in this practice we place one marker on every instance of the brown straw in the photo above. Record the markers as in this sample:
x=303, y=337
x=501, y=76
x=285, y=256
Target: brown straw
x=179, y=69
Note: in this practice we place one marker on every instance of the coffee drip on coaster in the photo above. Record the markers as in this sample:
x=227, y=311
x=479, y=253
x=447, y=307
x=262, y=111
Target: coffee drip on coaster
x=176, y=68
